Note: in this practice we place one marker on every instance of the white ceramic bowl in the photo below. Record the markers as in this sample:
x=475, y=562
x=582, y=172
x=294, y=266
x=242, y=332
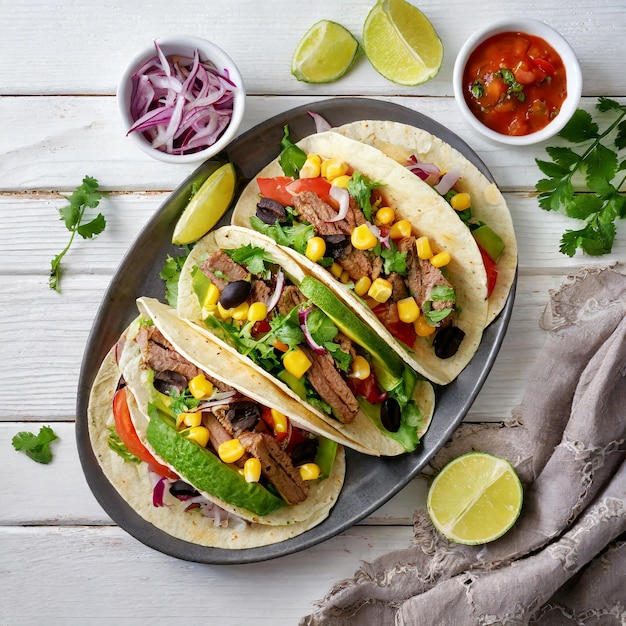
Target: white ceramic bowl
x=184, y=46
x=572, y=71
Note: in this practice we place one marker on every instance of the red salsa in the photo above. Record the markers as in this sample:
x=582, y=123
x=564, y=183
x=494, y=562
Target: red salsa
x=514, y=83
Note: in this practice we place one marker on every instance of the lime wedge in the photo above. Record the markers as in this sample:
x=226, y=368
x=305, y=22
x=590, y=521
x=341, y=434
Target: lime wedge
x=325, y=53
x=206, y=206
x=401, y=44
x=475, y=499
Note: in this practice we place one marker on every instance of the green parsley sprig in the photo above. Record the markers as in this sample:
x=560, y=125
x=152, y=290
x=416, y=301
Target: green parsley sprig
x=602, y=200
x=85, y=196
x=36, y=447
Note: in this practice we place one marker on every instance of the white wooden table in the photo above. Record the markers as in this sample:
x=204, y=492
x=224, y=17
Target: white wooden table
x=62, y=560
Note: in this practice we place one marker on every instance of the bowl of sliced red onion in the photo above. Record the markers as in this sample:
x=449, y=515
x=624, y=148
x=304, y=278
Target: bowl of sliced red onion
x=181, y=100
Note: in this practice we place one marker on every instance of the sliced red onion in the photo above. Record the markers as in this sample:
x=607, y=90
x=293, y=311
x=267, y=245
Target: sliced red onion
x=321, y=124
x=181, y=105
x=342, y=196
x=448, y=180
x=428, y=172
x=160, y=490
x=302, y=316
x=278, y=290
x=222, y=397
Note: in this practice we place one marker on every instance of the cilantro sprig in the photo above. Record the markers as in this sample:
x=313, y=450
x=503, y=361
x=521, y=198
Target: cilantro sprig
x=170, y=273
x=85, y=196
x=600, y=161
x=36, y=447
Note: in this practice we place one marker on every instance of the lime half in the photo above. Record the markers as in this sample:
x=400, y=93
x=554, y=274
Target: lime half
x=475, y=499
x=401, y=44
x=206, y=206
x=325, y=53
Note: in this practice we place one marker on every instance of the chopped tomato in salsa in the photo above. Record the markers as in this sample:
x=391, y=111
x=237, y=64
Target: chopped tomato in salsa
x=515, y=83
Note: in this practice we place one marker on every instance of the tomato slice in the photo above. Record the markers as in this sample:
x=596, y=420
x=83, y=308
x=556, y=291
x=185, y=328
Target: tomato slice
x=545, y=66
x=367, y=388
x=492, y=271
x=318, y=186
x=127, y=433
x=402, y=331
x=276, y=188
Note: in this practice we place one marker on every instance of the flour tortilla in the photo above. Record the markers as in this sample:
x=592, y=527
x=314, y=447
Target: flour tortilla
x=361, y=434
x=132, y=482
x=431, y=216
x=400, y=141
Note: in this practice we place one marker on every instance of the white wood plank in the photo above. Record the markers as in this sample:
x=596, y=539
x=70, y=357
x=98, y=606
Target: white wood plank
x=103, y=576
x=68, y=137
x=97, y=39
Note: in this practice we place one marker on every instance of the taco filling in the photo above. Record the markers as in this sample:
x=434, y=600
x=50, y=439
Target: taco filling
x=340, y=219
x=250, y=302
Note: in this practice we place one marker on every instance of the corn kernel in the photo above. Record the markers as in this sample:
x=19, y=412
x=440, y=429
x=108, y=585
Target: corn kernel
x=333, y=168
x=257, y=312
x=200, y=387
x=380, y=290
x=296, y=362
x=336, y=269
x=385, y=215
x=230, y=451
x=180, y=420
x=345, y=277
x=460, y=201
x=240, y=312
x=309, y=471
x=363, y=238
x=440, y=260
x=199, y=434
x=210, y=310
x=424, y=251
x=281, y=424
x=192, y=420
x=212, y=295
x=360, y=368
x=225, y=314
x=252, y=470
x=341, y=181
x=311, y=167
x=315, y=249
x=408, y=311
x=422, y=327
x=401, y=229
x=362, y=285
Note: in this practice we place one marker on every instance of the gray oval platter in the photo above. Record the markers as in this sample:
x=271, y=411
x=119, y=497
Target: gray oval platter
x=370, y=482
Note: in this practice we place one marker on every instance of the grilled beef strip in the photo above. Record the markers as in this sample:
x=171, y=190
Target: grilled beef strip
x=276, y=466
x=220, y=263
x=330, y=385
x=357, y=263
x=422, y=276
x=312, y=209
x=290, y=297
x=399, y=290
x=261, y=291
x=159, y=354
x=218, y=434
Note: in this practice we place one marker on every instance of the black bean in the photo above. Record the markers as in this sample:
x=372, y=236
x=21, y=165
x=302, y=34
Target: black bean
x=235, y=293
x=391, y=414
x=304, y=452
x=447, y=341
x=180, y=489
x=269, y=211
x=336, y=245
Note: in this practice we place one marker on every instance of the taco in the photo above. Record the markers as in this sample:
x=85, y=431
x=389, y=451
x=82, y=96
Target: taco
x=157, y=416
x=481, y=206
x=244, y=291
x=384, y=241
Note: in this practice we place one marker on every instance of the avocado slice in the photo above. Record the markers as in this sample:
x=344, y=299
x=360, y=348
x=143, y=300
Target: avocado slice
x=204, y=470
x=388, y=366
x=489, y=241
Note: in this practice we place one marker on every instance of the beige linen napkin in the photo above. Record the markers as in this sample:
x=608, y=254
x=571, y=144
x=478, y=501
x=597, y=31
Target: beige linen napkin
x=564, y=562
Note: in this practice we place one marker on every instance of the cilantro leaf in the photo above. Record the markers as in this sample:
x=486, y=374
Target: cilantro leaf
x=36, y=447
x=360, y=188
x=84, y=197
x=293, y=236
x=253, y=258
x=291, y=158
x=601, y=200
x=393, y=260
x=171, y=274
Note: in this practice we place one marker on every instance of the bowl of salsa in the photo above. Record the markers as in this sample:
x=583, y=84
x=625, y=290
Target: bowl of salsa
x=517, y=81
